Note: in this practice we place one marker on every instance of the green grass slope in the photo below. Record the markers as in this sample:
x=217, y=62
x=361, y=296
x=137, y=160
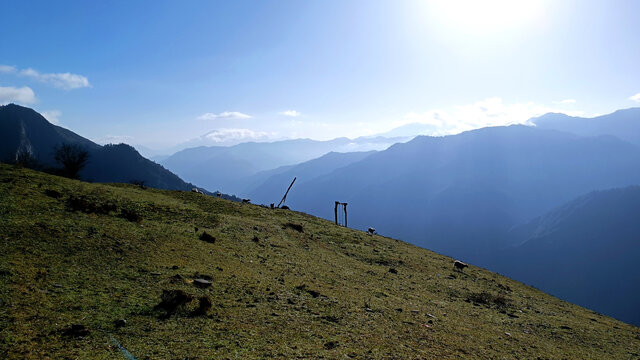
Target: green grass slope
x=73, y=253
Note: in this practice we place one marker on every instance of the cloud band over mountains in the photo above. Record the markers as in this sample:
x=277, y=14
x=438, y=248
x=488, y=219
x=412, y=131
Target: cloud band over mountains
x=223, y=115
x=66, y=81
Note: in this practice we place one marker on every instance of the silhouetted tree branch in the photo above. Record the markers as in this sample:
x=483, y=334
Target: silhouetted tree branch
x=72, y=158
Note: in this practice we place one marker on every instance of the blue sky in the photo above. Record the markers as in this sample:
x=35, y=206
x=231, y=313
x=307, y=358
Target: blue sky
x=158, y=73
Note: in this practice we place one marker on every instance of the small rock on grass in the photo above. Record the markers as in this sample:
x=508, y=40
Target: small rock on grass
x=120, y=323
x=331, y=345
x=202, y=283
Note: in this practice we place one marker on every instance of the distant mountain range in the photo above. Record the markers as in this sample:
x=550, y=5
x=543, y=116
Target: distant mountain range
x=624, y=124
x=23, y=130
x=231, y=168
x=461, y=194
x=584, y=251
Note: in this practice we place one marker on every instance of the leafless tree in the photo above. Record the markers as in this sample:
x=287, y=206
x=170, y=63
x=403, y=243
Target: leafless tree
x=72, y=158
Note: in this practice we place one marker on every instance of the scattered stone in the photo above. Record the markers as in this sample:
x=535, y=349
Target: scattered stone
x=76, y=330
x=431, y=316
x=331, y=345
x=207, y=238
x=255, y=239
x=415, y=311
x=508, y=334
x=399, y=309
x=311, y=292
x=565, y=327
x=155, y=273
x=393, y=270
x=120, y=323
x=57, y=285
x=331, y=319
x=175, y=267
x=202, y=283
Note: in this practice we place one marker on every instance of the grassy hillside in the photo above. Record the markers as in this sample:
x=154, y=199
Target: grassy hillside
x=284, y=285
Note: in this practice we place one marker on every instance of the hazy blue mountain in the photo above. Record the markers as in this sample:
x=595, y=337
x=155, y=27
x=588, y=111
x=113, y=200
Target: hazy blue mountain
x=230, y=168
x=411, y=130
x=24, y=130
x=461, y=194
x=585, y=252
x=624, y=124
x=269, y=186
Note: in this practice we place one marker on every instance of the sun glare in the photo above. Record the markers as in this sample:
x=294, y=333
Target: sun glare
x=473, y=16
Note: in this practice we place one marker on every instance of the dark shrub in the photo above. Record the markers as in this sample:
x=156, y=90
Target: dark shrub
x=131, y=215
x=172, y=300
x=208, y=238
x=293, y=226
x=488, y=299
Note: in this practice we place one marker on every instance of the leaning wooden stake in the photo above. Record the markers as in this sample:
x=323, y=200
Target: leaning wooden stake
x=284, y=198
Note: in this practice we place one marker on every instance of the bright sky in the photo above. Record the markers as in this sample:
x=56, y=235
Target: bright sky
x=158, y=73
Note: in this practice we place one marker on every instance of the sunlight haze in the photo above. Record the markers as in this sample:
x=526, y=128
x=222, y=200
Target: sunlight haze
x=239, y=70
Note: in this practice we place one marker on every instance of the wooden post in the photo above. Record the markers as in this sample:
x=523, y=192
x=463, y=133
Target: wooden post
x=335, y=211
x=345, y=214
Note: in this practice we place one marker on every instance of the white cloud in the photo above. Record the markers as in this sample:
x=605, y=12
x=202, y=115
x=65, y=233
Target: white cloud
x=224, y=115
x=635, y=97
x=565, y=101
x=53, y=116
x=23, y=95
x=291, y=113
x=236, y=135
x=66, y=81
x=7, y=69
x=488, y=112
